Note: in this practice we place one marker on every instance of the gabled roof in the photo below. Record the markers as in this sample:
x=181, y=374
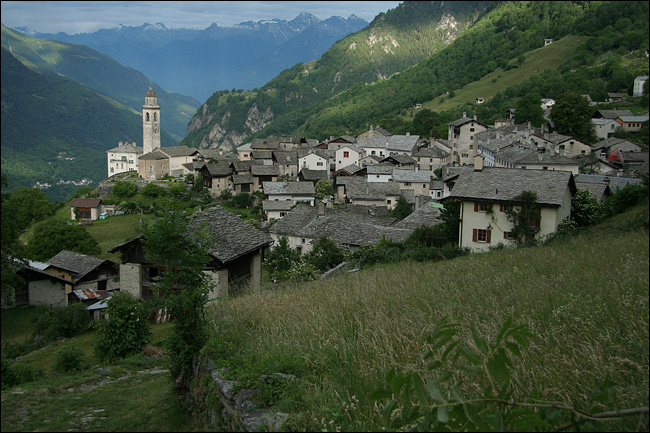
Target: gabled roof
x=277, y=205
x=85, y=202
x=423, y=216
x=242, y=179
x=403, y=175
x=614, y=182
x=534, y=157
x=288, y=188
x=79, y=264
x=344, y=227
x=612, y=114
x=126, y=148
x=230, y=237
x=179, y=151
x=312, y=175
x=400, y=158
x=154, y=155
x=505, y=184
x=358, y=188
x=265, y=170
x=220, y=169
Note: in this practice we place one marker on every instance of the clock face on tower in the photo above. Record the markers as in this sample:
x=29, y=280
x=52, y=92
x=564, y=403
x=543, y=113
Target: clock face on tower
x=156, y=129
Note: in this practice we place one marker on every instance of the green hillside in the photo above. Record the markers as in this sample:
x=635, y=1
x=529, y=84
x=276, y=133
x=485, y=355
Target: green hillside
x=504, y=47
x=536, y=61
x=56, y=129
x=101, y=73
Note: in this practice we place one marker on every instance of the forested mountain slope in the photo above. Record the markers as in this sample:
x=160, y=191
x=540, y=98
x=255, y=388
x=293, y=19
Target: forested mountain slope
x=331, y=97
x=56, y=129
x=101, y=73
x=394, y=41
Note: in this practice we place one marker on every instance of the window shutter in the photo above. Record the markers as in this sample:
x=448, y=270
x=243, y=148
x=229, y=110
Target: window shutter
x=539, y=217
x=475, y=207
x=488, y=236
x=474, y=235
x=500, y=208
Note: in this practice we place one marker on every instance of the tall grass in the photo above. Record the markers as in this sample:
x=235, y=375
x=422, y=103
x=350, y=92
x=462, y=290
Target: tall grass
x=585, y=298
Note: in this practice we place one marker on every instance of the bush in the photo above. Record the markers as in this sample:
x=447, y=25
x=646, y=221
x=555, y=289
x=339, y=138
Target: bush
x=124, y=189
x=12, y=374
x=153, y=190
x=62, y=322
x=68, y=359
x=126, y=331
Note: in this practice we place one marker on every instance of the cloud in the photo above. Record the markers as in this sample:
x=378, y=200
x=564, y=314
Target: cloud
x=88, y=16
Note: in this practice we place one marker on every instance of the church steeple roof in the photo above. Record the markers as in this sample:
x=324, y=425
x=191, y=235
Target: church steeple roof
x=150, y=93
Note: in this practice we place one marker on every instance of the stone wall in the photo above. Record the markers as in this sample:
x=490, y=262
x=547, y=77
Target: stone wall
x=226, y=407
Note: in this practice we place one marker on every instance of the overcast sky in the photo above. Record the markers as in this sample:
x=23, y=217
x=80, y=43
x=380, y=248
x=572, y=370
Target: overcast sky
x=88, y=16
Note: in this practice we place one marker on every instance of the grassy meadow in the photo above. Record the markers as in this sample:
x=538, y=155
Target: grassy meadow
x=584, y=298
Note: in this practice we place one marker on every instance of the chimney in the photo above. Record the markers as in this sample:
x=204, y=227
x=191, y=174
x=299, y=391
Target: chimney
x=464, y=114
x=475, y=118
x=321, y=208
x=408, y=134
x=478, y=163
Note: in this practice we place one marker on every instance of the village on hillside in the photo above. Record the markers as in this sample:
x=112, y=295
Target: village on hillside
x=484, y=167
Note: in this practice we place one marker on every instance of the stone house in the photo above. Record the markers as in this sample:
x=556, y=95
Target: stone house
x=533, y=160
x=349, y=230
x=605, y=128
x=358, y=191
x=123, y=158
x=348, y=155
x=414, y=180
x=487, y=193
x=631, y=123
x=179, y=155
x=287, y=163
x=314, y=159
x=154, y=165
x=264, y=173
x=289, y=191
x=86, y=209
x=82, y=272
x=236, y=250
x=217, y=177
x=431, y=158
x=462, y=139
x=40, y=288
x=560, y=144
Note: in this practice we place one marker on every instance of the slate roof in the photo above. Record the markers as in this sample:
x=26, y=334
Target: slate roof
x=403, y=175
x=379, y=169
x=614, y=182
x=154, y=154
x=598, y=190
x=126, y=148
x=242, y=179
x=351, y=169
x=79, y=264
x=265, y=170
x=630, y=119
x=505, y=184
x=612, y=114
x=424, y=216
x=179, y=151
x=219, y=169
x=358, y=188
x=345, y=228
x=534, y=157
x=312, y=175
x=617, y=143
x=277, y=205
x=288, y=188
x=463, y=120
x=400, y=158
x=431, y=152
x=230, y=237
x=85, y=202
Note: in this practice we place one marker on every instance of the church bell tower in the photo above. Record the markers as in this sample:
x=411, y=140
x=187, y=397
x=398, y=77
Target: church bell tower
x=150, y=122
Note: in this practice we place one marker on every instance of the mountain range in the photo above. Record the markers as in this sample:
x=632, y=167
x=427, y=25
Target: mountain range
x=200, y=62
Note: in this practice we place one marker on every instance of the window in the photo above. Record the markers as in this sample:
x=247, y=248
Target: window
x=482, y=207
x=505, y=207
x=346, y=154
x=471, y=129
x=482, y=235
x=508, y=236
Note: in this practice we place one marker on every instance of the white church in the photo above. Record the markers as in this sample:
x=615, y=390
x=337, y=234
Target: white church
x=126, y=156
